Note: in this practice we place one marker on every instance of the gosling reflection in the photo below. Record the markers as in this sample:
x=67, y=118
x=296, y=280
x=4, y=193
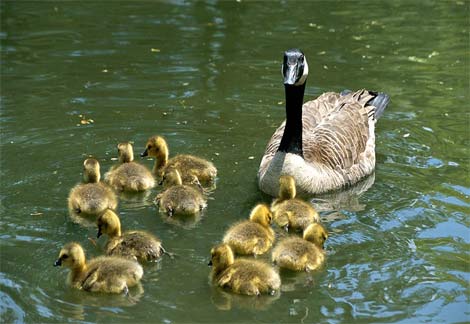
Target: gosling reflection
x=226, y=301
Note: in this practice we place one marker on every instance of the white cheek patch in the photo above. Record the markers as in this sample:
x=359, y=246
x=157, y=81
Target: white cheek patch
x=304, y=75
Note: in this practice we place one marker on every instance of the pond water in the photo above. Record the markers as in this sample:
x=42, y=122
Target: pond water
x=206, y=75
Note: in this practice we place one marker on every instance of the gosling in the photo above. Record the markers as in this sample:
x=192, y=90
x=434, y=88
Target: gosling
x=137, y=245
x=242, y=276
x=91, y=197
x=129, y=175
x=178, y=198
x=188, y=165
x=254, y=236
x=103, y=274
x=299, y=254
x=290, y=212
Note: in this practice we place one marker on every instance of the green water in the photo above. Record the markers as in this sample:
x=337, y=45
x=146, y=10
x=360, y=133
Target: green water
x=206, y=75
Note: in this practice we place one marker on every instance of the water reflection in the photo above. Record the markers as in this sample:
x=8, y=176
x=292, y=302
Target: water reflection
x=224, y=300
x=184, y=221
x=347, y=199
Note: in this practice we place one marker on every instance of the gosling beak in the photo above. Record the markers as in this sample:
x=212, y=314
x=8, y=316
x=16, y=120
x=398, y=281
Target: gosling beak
x=58, y=263
x=210, y=263
x=144, y=153
x=99, y=233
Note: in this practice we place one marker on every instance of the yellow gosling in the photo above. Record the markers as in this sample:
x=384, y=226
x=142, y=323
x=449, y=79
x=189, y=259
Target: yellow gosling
x=129, y=175
x=188, y=165
x=242, y=276
x=137, y=245
x=178, y=198
x=91, y=197
x=102, y=274
x=290, y=212
x=302, y=254
x=254, y=236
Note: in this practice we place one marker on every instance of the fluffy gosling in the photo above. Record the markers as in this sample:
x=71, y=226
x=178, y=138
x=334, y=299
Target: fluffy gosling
x=242, y=276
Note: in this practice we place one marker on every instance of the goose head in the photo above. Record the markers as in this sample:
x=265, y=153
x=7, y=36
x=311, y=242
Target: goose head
x=221, y=257
x=108, y=223
x=261, y=215
x=316, y=234
x=294, y=68
x=71, y=255
x=125, y=152
x=156, y=147
x=91, y=170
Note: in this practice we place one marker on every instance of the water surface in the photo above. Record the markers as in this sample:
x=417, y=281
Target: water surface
x=206, y=75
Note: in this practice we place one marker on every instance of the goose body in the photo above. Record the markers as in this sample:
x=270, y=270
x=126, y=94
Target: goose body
x=101, y=274
x=91, y=197
x=188, y=165
x=254, y=236
x=302, y=254
x=242, y=276
x=325, y=144
x=129, y=175
x=137, y=245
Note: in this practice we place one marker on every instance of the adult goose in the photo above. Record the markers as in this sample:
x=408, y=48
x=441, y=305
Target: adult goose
x=325, y=144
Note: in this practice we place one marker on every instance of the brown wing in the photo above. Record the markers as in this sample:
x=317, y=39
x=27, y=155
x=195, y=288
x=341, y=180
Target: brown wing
x=313, y=113
x=339, y=139
x=335, y=129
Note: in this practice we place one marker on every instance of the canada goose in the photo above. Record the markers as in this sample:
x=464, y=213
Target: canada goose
x=188, y=165
x=299, y=254
x=178, y=198
x=91, y=197
x=254, y=236
x=327, y=143
x=290, y=212
x=242, y=276
x=102, y=274
x=129, y=175
x=138, y=245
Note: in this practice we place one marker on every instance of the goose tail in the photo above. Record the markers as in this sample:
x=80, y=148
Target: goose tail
x=380, y=102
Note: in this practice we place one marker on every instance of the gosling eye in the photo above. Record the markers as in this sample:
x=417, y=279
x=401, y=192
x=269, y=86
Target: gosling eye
x=64, y=256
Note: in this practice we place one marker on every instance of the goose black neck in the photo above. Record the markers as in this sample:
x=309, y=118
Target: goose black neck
x=291, y=141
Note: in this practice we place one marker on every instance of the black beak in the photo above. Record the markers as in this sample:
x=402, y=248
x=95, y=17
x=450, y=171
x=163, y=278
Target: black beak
x=290, y=74
x=210, y=263
x=99, y=233
x=58, y=263
x=144, y=153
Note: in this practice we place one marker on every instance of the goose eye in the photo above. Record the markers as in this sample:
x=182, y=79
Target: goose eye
x=64, y=256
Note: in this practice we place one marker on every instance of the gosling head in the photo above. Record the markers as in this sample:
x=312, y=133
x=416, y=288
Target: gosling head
x=91, y=170
x=71, y=255
x=108, y=223
x=286, y=187
x=316, y=234
x=125, y=152
x=156, y=147
x=294, y=68
x=221, y=257
x=172, y=177
x=262, y=215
